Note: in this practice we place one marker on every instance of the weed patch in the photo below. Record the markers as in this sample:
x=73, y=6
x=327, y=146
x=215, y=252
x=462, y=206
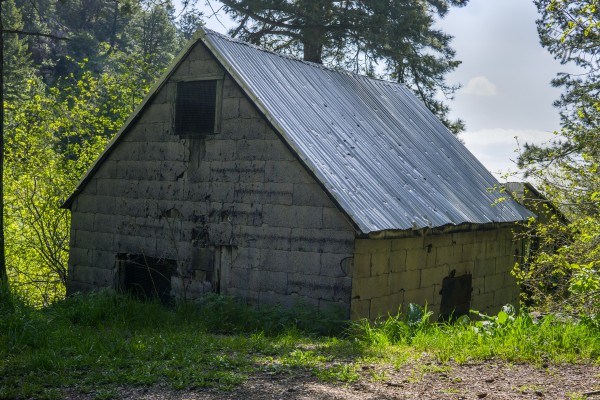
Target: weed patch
x=94, y=344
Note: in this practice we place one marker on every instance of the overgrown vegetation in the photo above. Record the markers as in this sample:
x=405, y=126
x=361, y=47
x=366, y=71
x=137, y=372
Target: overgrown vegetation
x=562, y=273
x=92, y=344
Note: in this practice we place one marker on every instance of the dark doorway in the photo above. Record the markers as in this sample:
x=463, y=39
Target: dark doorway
x=146, y=278
x=456, y=296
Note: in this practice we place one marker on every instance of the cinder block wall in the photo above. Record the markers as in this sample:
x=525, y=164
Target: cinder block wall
x=389, y=273
x=168, y=197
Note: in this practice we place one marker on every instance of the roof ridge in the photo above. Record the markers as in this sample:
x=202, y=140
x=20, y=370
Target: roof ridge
x=292, y=58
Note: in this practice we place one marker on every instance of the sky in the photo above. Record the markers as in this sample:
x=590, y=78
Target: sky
x=506, y=97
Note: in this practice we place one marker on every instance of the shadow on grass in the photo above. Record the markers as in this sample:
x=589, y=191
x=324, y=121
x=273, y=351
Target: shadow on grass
x=96, y=342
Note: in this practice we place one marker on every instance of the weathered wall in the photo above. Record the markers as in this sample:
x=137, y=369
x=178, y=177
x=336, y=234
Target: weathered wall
x=241, y=193
x=389, y=273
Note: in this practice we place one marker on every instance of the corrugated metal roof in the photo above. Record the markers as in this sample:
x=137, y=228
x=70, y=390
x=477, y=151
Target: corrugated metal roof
x=382, y=155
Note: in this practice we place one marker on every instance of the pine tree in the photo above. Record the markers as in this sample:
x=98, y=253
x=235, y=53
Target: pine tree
x=18, y=65
x=388, y=38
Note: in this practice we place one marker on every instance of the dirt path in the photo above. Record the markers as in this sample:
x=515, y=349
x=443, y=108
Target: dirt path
x=490, y=380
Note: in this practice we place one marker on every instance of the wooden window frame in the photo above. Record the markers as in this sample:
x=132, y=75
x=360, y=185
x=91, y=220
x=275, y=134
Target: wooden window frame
x=218, y=79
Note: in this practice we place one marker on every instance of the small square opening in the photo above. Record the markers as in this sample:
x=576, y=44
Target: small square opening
x=196, y=108
x=146, y=278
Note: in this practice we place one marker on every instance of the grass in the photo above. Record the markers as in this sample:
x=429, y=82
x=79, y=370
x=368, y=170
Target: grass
x=95, y=343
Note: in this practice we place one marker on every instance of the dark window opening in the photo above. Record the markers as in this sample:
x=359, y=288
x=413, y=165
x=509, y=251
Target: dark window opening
x=456, y=296
x=146, y=278
x=196, y=108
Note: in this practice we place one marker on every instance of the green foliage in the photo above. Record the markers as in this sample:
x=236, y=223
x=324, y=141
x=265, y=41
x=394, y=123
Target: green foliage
x=562, y=270
x=18, y=65
x=52, y=136
x=359, y=35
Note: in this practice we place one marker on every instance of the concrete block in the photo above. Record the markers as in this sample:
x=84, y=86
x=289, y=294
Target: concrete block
x=370, y=246
x=224, y=171
x=380, y=264
x=273, y=281
x=80, y=256
x=82, y=220
x=290, y=261
x=94, y=240
x=491, y=249
x=438, y=240
x=493, y=282
x=246, y=257
x=275, y=149
x=478, y=285
x=417, y=243
x=416, y=259
x=433, y=276
x=118, y=187
x=448, y=255
x=157, y=113
x=230, y=108
x=278, y=193
x=309, y=194
x=240, y=278
x=469, y=251
x=421, y=296
x=103, y=259
x=247, y=109
x=200, y=53
x=335, y=219
x=362, y=265
x=398, y=261
x=360, y=309
x=482, y=302
x=370, y=287
x=98, y=277
x=464, y=237
x=251, y=171
x=293, y=216
x=322, y=240
x=485, y=267
x=251, y=149
x=249, y=193
x=230, y=89
x=95, y=204
x=386, y=305
x=504, y=264
x=107, y=170
x=222, y=192
x=287, y=171
x=319, y=287
x=243, y=129
x=401, y=281
x=203, y=68
x=276, y=238
x=336, y=265
x=220, y=150
x=487, y=236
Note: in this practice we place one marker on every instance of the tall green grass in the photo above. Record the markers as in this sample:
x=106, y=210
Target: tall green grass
x=97, y=342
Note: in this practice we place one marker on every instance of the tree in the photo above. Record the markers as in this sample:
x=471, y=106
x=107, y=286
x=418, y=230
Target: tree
x=397, y=35
x=564, y=272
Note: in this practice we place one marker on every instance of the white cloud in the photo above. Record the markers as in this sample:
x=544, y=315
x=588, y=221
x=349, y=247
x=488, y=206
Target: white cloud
x=497, y=149
x=480, y=86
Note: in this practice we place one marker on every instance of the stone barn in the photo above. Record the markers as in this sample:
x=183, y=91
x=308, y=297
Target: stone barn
x=279, y=181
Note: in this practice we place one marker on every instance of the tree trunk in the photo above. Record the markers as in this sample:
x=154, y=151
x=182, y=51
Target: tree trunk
x=3, y=275
x=312, y=41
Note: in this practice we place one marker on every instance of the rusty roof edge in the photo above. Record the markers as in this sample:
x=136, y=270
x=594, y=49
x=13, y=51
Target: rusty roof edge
x=465, y=227
x=132, y=118
x=273, y=121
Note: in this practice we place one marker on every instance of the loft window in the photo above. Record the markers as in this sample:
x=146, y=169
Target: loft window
x=196, y=110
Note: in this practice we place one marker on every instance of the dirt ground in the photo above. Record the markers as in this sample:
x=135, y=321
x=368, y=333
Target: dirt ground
x=489, y=380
